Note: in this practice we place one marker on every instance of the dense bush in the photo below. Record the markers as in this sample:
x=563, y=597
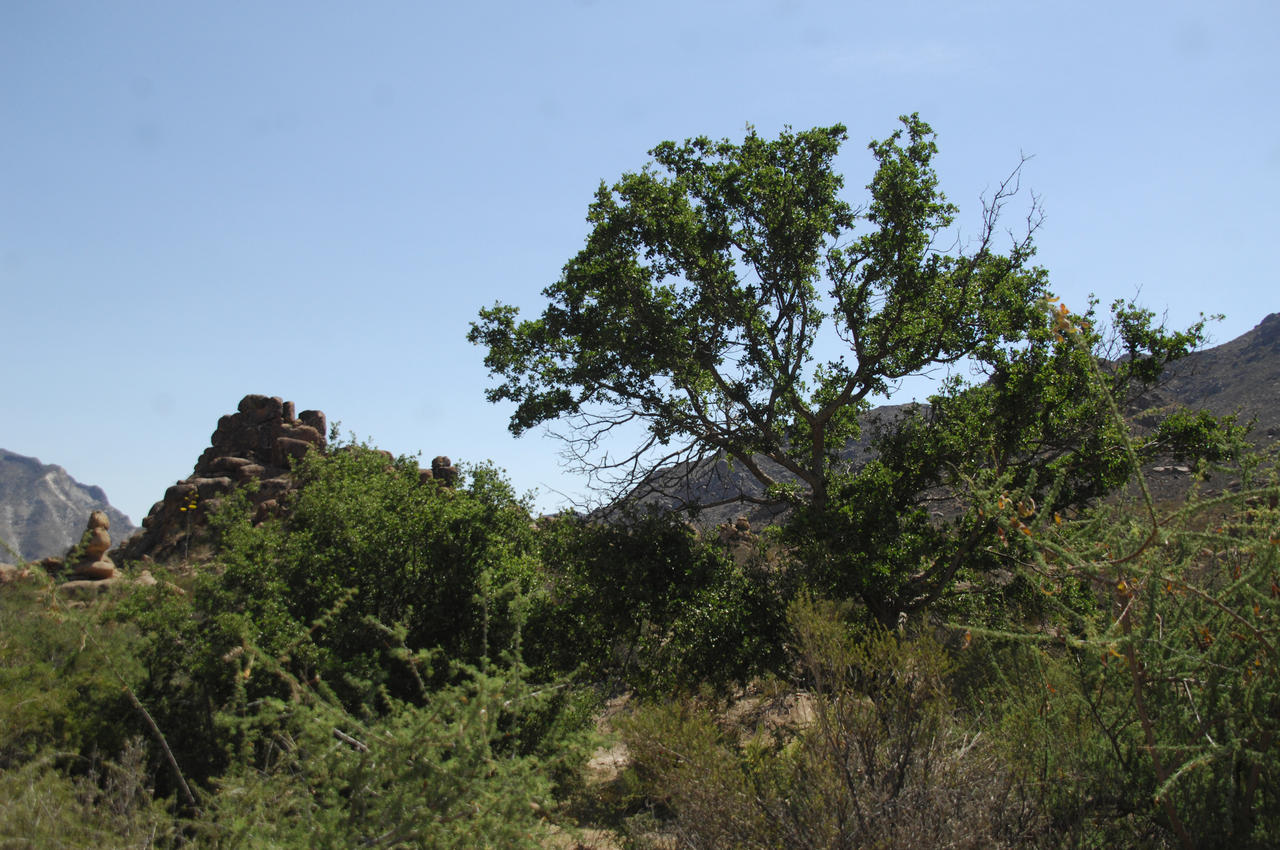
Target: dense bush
x=366, y=545
x=61, y=677
x=647, y=604
x=1166, y=706
x=403, y=665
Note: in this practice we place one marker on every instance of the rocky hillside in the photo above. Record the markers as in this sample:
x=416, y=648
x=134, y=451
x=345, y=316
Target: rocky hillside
x=1238, y=377
x=43, y=509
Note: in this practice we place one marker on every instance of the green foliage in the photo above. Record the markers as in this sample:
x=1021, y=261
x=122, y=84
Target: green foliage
x=709, y=285
x=1202, y=437
x=366, y=543
x=1043, y=423
x=870, y=756
x=57, y=689
x=451, y=769
x=106, y=803
x=646, y=604
x=1156, y=717
x=711, y=281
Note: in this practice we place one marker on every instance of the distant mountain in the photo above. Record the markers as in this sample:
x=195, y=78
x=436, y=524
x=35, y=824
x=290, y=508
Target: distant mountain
x=43, y=510
x=1241, y=377
x=1238, y=377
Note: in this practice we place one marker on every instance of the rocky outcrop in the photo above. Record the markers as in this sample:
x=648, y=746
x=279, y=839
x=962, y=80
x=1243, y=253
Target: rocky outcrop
x=736, y=537
x=42, y=508
x=442, y=470
x=252, y=450
x=255, y=445
x=13, y=572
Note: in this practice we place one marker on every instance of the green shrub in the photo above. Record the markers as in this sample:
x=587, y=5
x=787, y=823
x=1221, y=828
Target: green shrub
x=366, y=543
x=448, y=770
x=61, y=676
x=646, y=604
x=105, y=803
x=1155, y=722
x=876, y=760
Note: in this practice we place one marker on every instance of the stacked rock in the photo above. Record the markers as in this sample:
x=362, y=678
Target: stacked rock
x=443, y=470
x=92, y=561
x=738, y=539
x=256, y=443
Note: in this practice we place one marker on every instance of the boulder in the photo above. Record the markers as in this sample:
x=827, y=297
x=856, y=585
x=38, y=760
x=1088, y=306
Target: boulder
x=10, y=573
x=316, y=419
x=261, y=408
x=443, y=470
x=290, y=447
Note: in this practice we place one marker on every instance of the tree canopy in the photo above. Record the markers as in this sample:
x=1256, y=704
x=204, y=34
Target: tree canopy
x=731, y=303
x=711, y=276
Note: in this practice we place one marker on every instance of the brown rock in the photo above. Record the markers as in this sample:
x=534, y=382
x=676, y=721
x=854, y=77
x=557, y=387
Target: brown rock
x=303, y=432
x=443, y=470
x=251, y=471
x=92, y=561
x=96, y=570
x=265, y=511
x=257, y=443
x=10, y=573
x=289, y=447
x=261, y=408
x=315, y=419
x=96, y=542
x=179, y=492
x=207, y=488
x=271, y=488
x=229, y=464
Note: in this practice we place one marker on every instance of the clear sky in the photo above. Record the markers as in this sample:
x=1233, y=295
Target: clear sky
x=312, y=200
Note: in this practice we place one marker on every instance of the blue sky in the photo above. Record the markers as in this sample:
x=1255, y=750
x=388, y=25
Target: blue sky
x=312, y=200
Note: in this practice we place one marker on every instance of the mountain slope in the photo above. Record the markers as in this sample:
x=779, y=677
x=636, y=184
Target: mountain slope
x=43, y=510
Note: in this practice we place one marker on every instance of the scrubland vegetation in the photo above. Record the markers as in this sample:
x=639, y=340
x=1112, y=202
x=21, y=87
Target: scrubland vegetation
x=403, y=665
x=990, y=635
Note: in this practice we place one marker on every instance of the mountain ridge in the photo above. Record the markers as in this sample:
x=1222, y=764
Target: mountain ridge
x=43, y=508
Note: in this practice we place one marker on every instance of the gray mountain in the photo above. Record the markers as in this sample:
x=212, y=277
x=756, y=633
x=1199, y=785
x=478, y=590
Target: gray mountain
x=1240, y=377
x=43, y=509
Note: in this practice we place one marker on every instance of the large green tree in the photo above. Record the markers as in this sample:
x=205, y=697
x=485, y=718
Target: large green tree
x=731, y=302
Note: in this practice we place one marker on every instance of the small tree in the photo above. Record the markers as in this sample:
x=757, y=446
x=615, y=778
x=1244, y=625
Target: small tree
x=710, y=283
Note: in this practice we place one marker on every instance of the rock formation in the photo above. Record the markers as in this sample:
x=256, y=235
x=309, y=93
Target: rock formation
x=89, y=560
x=443, y=470
x=257, y=446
